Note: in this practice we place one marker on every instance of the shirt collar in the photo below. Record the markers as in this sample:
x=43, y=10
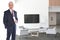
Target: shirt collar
x=10, y=10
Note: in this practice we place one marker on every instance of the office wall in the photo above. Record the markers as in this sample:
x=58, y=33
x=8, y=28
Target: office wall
x=33, y=7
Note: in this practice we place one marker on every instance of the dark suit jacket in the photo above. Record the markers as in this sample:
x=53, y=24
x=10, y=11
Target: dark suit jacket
x=8, y=19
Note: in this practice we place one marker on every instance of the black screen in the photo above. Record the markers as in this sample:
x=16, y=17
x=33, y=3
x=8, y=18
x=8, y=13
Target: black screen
x=31, y=18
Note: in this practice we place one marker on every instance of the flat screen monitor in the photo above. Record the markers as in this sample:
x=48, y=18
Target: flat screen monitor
x=31, y=18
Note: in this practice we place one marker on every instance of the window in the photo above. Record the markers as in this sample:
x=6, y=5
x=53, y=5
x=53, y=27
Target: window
x=31, y=18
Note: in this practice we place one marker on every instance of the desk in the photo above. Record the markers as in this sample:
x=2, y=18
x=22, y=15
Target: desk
x=34, y=32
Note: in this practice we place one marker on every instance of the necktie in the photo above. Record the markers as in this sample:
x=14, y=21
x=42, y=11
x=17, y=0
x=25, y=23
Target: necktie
x=12, y=13
x=13, y=16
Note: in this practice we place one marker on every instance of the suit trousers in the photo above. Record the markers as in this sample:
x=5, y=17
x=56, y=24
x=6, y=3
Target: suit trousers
x=11, y=32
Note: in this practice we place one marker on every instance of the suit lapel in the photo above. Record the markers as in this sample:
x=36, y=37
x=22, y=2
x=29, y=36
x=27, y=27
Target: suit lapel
x=11, y=14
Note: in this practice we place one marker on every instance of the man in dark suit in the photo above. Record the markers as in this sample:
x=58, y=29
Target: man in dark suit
x=9, y=20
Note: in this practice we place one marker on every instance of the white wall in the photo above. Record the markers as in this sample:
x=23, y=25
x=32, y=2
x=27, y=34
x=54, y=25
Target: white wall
x=33, y=7
x=3, y=7
x=24, y=7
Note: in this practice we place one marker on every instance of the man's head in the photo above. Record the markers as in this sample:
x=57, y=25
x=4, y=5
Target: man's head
x=10, y=5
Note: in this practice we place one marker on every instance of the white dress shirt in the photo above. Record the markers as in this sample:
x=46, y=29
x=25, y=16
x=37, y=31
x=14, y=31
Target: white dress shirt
x=12, y=11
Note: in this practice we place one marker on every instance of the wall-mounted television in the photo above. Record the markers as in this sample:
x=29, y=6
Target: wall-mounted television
x=31, y=18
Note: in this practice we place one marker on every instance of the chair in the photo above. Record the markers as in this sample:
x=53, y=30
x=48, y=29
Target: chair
x=42, y=29
x=24, y=31
x=51, y=30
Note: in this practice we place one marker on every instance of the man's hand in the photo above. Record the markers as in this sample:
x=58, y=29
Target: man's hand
x=16, y=21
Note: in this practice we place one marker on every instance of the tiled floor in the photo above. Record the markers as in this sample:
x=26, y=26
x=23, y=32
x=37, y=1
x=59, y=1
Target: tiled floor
x=40, y=37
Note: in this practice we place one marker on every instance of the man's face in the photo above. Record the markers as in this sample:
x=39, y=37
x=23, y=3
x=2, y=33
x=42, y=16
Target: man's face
x=10, y=5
